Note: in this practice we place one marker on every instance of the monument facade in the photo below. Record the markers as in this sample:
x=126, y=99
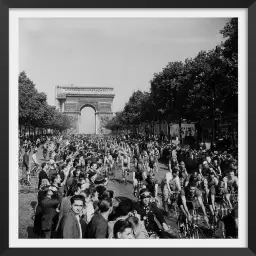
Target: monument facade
x=71, y=100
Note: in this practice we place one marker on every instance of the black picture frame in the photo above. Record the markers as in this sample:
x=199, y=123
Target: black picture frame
x=4, y=127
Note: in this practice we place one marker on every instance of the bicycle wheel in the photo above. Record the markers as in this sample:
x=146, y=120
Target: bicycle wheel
x=182, y=228
x=27, y=183
x=176, y=210
x=221, y=229
x=32, y=172
x=21, y=181
x=200, y=233
x=214, y=230
x=194, y=233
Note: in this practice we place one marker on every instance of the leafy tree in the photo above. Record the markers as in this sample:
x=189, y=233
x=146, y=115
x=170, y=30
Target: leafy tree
x=34, y=110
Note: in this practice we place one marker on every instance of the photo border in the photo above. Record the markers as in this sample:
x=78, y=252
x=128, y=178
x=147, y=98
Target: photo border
x=4, y=215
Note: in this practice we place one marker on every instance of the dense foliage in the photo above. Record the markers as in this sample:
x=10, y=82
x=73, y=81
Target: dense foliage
x=200, y=88
x=34, y=110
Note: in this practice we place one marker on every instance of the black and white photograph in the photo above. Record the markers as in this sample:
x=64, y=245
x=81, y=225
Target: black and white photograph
x=128, y=129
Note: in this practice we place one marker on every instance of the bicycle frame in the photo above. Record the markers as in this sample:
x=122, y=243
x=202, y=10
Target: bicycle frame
x=191, y=230
x=194, y=229
x=174, y=203
x=33, y=171
x=217, y=220
x=183, y=228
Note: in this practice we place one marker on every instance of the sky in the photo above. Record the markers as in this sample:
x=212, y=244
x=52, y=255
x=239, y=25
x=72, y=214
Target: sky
x=123, y=53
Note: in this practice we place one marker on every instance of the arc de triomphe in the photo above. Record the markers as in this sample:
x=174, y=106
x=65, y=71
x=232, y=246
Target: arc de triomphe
x=71, y=100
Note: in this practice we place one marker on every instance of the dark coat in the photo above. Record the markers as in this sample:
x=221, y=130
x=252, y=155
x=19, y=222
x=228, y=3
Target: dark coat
x=98, y=227
x=149, y=216
x=42, y=175
x=26, y=160
x=48, y=213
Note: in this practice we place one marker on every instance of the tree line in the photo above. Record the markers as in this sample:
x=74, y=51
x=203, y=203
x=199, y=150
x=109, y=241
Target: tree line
x=201, y=88
x=34, y=112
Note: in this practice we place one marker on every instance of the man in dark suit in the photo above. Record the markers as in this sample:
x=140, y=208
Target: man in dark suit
x=25, y=164
x=42, y=174
x=98, y=226
x=71, y=224
x=48, y=211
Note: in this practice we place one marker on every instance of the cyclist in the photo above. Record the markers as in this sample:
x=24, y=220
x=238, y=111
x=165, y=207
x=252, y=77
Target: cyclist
x=191, y=199
x=138, y=176
x=216, y=168
x=183, y=174
x=183, y=167
x=29, y=146
x=231, y=223
x=152, y=163
x=37, y=142
x=45, y=150
x=152, y=185
x=195, y=177
x=212, y=182
x=108, y=160
x=166, y=188
x=171, y=189
x=218, y=203
x=231, y=183
x=169, y=157
x=136, y=153
x=144, y=156
x=125, y=166
x=157, y=156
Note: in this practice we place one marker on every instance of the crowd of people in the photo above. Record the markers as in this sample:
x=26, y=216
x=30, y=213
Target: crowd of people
x=74, y=200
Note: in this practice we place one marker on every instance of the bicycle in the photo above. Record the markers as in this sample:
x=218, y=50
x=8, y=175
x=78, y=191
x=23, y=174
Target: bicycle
x=195, y=232
x=183, y=229
x=217, y=226
x=45, y=154
x=25, y=182
x=137, y=189
x=216, y=223
x=110, y=170
x=34, y=171
x=172, y=203
x=190, y=230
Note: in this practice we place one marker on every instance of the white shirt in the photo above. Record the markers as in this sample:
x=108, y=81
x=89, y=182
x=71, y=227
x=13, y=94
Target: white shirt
x=89, y=212
x=168, y=176
x=34, y=159
x=175, y=182
x=80, y=228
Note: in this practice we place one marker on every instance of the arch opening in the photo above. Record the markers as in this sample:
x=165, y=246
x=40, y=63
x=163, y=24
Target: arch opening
x=87, y=123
